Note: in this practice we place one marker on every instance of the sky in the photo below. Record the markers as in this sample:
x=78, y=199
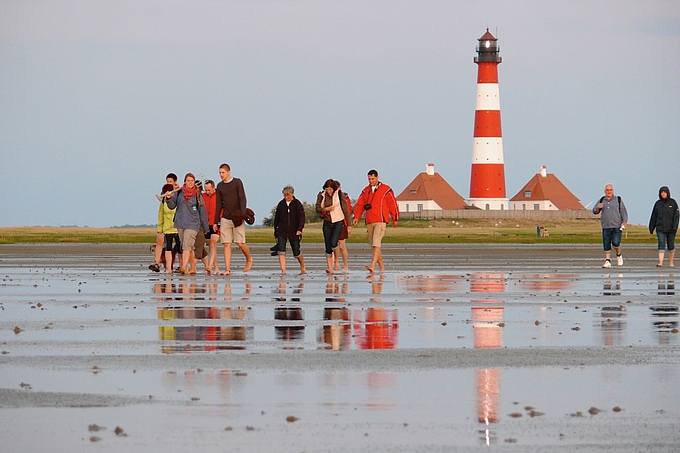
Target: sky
x=99, y=100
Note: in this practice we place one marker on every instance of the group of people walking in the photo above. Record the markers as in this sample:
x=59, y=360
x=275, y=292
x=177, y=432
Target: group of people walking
x=614, y=218
x=188, y=216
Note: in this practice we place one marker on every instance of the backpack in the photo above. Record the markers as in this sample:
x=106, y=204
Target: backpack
x=618, y=197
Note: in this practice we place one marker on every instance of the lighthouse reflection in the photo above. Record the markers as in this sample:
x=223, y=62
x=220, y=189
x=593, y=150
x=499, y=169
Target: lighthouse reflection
x=487, y=317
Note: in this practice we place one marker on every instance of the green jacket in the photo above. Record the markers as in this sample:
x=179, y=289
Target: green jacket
x=166, y=219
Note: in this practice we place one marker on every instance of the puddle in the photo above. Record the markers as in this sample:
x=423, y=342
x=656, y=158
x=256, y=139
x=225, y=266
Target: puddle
x=170, y=344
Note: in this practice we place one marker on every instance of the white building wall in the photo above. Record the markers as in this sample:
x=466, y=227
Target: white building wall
x=528, y=205
x=412, y=205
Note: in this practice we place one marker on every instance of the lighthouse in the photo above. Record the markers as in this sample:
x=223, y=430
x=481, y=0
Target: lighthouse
x=487, y=177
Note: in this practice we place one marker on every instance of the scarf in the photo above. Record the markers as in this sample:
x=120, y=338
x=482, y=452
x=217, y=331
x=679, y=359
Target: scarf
x=188, y=193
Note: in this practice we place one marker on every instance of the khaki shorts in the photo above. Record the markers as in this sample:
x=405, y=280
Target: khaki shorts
x=188, y=239
x=229, y=233
x=376, y=231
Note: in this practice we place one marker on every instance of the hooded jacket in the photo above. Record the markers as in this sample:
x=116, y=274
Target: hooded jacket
x=665, y=214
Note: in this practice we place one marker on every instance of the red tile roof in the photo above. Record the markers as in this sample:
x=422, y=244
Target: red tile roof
x=426, y=187
x=549, y=188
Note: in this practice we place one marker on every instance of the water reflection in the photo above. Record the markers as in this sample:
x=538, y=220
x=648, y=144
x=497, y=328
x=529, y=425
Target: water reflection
x=666, y=286
x=197, y=291
x=202, y=334
x=612, y=325
x=488, y=283
x=487, y=317
x=289, y=331
x=546, y=282
x=431, y=283
x=667, y=324
x=376, y=328
x=337, y=335
x=612, y=287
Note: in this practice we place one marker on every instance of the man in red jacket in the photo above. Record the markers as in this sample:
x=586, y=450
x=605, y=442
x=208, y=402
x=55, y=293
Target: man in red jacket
x=378, y=202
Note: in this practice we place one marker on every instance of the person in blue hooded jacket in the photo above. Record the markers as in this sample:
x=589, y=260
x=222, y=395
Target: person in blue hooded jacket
x=664, y=219
x=189, y=218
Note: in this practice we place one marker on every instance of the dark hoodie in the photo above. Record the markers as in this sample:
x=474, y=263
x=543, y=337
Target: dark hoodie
x=665, y=214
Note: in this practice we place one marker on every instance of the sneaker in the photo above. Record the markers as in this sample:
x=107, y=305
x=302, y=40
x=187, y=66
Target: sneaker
x=619, y=260
x=155, y=267
x=607, y=264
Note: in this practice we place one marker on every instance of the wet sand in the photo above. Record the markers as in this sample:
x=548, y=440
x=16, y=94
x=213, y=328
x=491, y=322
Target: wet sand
x=453, y=348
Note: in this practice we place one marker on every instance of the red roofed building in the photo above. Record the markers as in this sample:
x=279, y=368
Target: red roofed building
x=429, y=191
x=544, y=192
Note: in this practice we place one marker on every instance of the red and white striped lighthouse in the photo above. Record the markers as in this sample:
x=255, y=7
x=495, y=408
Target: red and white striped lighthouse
x=487, y=177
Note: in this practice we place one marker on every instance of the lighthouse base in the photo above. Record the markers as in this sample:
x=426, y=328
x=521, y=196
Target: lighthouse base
x=490, y=204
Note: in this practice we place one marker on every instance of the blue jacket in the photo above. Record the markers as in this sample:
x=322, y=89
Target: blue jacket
x=190, y=214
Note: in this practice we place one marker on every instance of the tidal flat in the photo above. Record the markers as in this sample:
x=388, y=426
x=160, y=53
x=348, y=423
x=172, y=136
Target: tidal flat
x=455, y=347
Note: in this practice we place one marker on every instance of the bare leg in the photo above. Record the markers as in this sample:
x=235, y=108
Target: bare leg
x=192, y=258
x=301, y=260
x=345, y=256
x=660, y=263
x=168, y=261
x=186, y=256
x=282, y=263
x=214, y=262
x=227, y=258
x=329, y=264
x=671, y=257
x=160, y=239
x=246, y=253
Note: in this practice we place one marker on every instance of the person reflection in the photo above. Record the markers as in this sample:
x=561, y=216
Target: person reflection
x=289, y=331
x=665, y=322
x=378, y=329
x=195, y=337
x=613, y=325
x=336, y=336
x=666, y=287
x=376, y=286
x=333, y=286
x=612, y=289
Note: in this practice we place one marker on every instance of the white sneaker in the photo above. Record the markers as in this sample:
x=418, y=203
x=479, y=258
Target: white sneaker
x=607, y=264
x=619, y=260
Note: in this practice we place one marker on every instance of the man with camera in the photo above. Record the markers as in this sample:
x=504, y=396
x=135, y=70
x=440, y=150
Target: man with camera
x=377, y=200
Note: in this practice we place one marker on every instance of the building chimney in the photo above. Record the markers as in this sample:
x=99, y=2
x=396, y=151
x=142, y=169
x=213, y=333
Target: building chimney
x=430, y=169
x=544, y=171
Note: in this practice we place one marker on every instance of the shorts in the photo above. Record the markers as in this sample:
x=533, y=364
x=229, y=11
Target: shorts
x=611, y=237
x=169, y=239
x=188, y=239
x=664, y=239
x=376, y=231
x=281, y=246
x=229, y=233
x=199, y=247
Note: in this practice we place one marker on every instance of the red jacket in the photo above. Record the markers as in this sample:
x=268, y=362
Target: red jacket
x=210, y=205
x=382, y=201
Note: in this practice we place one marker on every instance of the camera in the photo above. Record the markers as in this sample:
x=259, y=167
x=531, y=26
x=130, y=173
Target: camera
x=367, y=206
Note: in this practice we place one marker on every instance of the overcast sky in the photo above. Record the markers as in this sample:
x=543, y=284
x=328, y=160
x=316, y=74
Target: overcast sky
x=100, y=99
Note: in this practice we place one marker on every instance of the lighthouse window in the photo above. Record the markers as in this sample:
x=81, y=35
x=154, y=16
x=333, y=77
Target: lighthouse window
x=413, y=191
x=527, y=194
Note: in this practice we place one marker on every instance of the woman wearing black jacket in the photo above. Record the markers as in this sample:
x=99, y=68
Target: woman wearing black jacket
x=665, y=217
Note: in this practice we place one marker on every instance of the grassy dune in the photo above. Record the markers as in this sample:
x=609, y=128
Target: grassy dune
x=409, y=231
